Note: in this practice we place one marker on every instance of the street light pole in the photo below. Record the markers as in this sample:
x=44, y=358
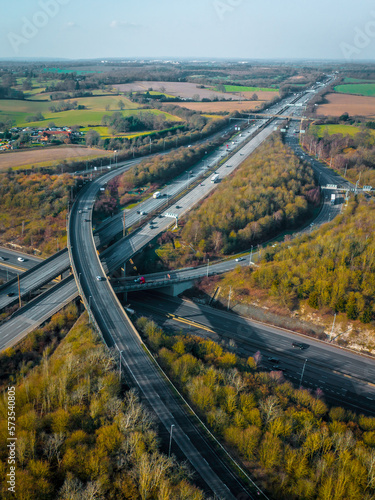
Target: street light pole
x=208, y=265
x=303, y=371
x=333, y=326
x=90, y=309
x=170, y=440
x=120, y=364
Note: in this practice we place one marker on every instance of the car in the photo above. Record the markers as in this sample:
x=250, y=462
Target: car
x=239, y=259
x=151, y=226
x=100, y=278
x=140, y=280
x=79, y=211
x=11, y=294
x=298, y=344
x=178, y=206
x=143, y=213
x=312, y=224
x=87, y=220
x=138, y=211
x=276, y=367
x=1, y=258
x=274, y=360
x=161, y=216
x=21, y=259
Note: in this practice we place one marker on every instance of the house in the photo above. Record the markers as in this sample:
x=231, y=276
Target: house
x=49, y=135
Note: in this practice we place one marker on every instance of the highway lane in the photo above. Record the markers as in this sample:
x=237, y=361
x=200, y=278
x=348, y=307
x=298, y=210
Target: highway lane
x=34, y=278
x=38, y=310
x=342, y=375
x=9, y=257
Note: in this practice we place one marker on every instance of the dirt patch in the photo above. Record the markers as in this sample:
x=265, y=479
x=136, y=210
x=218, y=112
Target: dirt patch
x=354, y=105
x=216, y=107
x=179, y=89
x=12, y=159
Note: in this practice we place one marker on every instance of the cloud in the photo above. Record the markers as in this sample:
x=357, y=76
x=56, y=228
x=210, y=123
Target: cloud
x=124, y=25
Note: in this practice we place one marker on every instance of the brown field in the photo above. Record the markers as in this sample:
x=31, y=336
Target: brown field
x=352, y=104
x=215, y=107
x=179, y=89
x=11, y=159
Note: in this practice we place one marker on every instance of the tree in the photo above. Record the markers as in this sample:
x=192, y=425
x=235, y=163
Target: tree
x=121, y=104
x=92, y=138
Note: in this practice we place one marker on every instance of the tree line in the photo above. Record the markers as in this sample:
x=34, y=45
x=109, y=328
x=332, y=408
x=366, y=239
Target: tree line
x=80, y=437
x=33, y=210
x=331, y=268
x=292, y=443
x=270, y=192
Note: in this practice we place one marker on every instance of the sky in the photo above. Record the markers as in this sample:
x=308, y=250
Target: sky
x=236, y=29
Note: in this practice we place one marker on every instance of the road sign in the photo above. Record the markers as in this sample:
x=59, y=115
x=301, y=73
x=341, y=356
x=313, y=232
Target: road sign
x=174, y=216
x=367, y=188
x=331, y=186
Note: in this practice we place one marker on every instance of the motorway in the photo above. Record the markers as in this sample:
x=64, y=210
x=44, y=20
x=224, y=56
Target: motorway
x=141, y=372
x=344, y=377
x=117, y=330
x=146, y=234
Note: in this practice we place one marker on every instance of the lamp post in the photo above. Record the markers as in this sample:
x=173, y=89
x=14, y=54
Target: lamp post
x=120, y=364
x=208, y=265
x=303, y=371
x=90, y=309
x=170, y=440
x=79, y=279
x=333, y=326
x=251, y=256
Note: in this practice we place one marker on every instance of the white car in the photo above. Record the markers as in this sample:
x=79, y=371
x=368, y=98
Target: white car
x=100, y=278
x=21, y=259
x=239, y=259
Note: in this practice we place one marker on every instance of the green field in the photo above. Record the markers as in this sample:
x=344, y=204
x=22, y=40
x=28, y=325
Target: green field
x=338, y=129
x=18, y=111
x=357, y=80
x=366, y=89
x=239, y=88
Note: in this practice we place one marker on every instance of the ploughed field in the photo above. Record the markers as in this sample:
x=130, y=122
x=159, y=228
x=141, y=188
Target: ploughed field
x=353, y=104
x=34, y=157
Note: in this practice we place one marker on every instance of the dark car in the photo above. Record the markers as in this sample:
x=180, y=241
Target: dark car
x=11, y=294
x=274, y=360
x=298, y=345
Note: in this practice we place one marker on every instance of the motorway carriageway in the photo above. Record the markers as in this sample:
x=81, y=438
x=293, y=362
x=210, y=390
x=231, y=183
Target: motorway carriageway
x=142, y=236
x=344, y=376
x=117, y=330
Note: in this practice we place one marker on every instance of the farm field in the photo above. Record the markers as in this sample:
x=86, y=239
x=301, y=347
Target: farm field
x=18, y=111
x=338, y=129
x=357, y=80
x=345, y=103
x=240, y=88
x=365, y=89
x=220, y=106
x=176, y=89
x=47, y=156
